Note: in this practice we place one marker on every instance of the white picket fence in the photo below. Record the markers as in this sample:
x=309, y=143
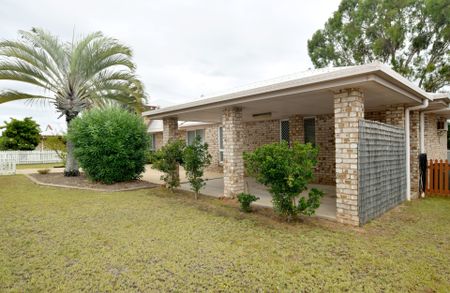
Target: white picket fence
x=7, y=168
x=29, y=157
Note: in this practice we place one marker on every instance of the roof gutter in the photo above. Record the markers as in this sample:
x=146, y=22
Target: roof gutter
x=424, y=105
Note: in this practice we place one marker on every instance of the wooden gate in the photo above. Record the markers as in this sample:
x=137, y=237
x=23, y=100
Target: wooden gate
x=437, y=177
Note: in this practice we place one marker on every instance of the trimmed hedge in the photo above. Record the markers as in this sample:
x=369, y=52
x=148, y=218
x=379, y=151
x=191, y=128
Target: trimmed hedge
x=110, y=144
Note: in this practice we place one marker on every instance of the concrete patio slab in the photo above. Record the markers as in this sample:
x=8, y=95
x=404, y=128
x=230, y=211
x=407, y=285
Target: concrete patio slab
x=327, y=209
x=214, y=188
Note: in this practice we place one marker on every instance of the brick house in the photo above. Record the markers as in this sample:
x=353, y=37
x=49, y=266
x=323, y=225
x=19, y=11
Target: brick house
x=369, y=123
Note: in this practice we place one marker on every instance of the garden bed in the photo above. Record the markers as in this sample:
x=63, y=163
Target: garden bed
x=82, y=182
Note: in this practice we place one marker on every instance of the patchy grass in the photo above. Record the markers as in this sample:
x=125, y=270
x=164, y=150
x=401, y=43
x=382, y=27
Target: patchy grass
x=151, y=240
x=38, y=166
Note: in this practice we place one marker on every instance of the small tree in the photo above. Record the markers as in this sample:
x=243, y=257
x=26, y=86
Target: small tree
x=57, y=144
x=287, y=172
x=110, y=144
x=167, y=160
x=195, y=158
x=20, y=135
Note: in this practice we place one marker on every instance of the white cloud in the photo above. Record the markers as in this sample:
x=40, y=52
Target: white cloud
x=183, y=49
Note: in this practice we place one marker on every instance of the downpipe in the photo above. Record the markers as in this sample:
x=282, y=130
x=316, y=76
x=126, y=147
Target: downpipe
x=424, y=105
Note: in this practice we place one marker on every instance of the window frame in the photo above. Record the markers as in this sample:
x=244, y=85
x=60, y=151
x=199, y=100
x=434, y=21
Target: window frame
x=304, y=129
x=153, y=144
x=281, y=130
x=195, y=134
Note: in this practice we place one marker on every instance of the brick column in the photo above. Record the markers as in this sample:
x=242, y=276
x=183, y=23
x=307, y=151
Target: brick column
x=296, y=130
x=414, y=152
x=395, y=115
x=233, y=163
x=170, y=129
x=348, y=110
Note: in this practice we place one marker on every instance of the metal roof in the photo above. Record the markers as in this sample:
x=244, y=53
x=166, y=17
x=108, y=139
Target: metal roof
x=304, y=78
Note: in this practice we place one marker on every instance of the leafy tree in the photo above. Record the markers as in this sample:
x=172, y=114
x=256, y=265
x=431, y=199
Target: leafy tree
x=167, y=160
x=412, y=36
x=111, y=144
x=58, y=144
x=92, y=71
x=20, y=135
x=195, y=158
x=286, y=171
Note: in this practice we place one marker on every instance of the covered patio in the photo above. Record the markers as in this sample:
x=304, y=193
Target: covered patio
x=338, y=99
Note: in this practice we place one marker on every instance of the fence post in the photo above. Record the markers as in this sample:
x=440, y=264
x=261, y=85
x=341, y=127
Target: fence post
x=446, y=177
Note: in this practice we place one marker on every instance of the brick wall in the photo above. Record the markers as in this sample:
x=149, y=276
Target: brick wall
x=435, y=143
x=296, y=129
x=259, y=133
x=379, y=116
x=212, y=138
x=326, y=169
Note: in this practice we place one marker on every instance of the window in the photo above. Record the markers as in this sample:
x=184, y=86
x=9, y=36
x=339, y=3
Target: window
x=221, y=148
x=153, y=142
x=309, y=125
x=284, y=130
x=192, y=134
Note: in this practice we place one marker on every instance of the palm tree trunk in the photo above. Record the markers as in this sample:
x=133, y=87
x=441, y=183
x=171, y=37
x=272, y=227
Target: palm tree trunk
x=71, y=168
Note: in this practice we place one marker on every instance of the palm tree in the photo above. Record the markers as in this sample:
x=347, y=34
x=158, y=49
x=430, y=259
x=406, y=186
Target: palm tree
x=93, y=71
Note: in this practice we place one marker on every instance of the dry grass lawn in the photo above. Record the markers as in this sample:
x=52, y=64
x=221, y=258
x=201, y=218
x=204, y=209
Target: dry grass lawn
x=65, y=240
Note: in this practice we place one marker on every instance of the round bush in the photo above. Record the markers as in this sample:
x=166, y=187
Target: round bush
x=110, y=144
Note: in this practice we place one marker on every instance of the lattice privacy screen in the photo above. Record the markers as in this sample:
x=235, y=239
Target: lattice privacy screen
x=381, y=168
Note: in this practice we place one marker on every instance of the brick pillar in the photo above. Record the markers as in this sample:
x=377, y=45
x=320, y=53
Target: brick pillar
x=395, y=115
x=170, y=132
x=233, y=163
x=296, y=130
x=414, y=152
x=170, y=129
x=348, y=110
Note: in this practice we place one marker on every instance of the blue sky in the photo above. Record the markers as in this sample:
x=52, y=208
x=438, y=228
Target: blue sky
x=183, y=49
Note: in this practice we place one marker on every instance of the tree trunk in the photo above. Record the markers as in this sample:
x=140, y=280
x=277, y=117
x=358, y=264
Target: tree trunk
x=71, y=168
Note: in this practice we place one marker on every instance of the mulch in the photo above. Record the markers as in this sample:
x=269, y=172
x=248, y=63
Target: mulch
x=82, y=182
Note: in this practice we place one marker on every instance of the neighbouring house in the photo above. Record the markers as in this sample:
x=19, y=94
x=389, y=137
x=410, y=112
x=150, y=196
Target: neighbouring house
x=369, y=123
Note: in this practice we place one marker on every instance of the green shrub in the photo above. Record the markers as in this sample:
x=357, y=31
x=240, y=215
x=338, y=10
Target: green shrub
x=167, y=160
x=286, y=171
x=20, y=135
x=245, y=199
x=57, y=144
x=149, y=156
x=43, y=171
x=195, y=159
x=110, y=144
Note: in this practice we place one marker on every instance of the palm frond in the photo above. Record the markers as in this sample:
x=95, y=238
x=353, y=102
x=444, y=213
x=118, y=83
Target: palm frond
x=55, y=49
x=9, y=95
x=30, y=54
x=21, y=71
